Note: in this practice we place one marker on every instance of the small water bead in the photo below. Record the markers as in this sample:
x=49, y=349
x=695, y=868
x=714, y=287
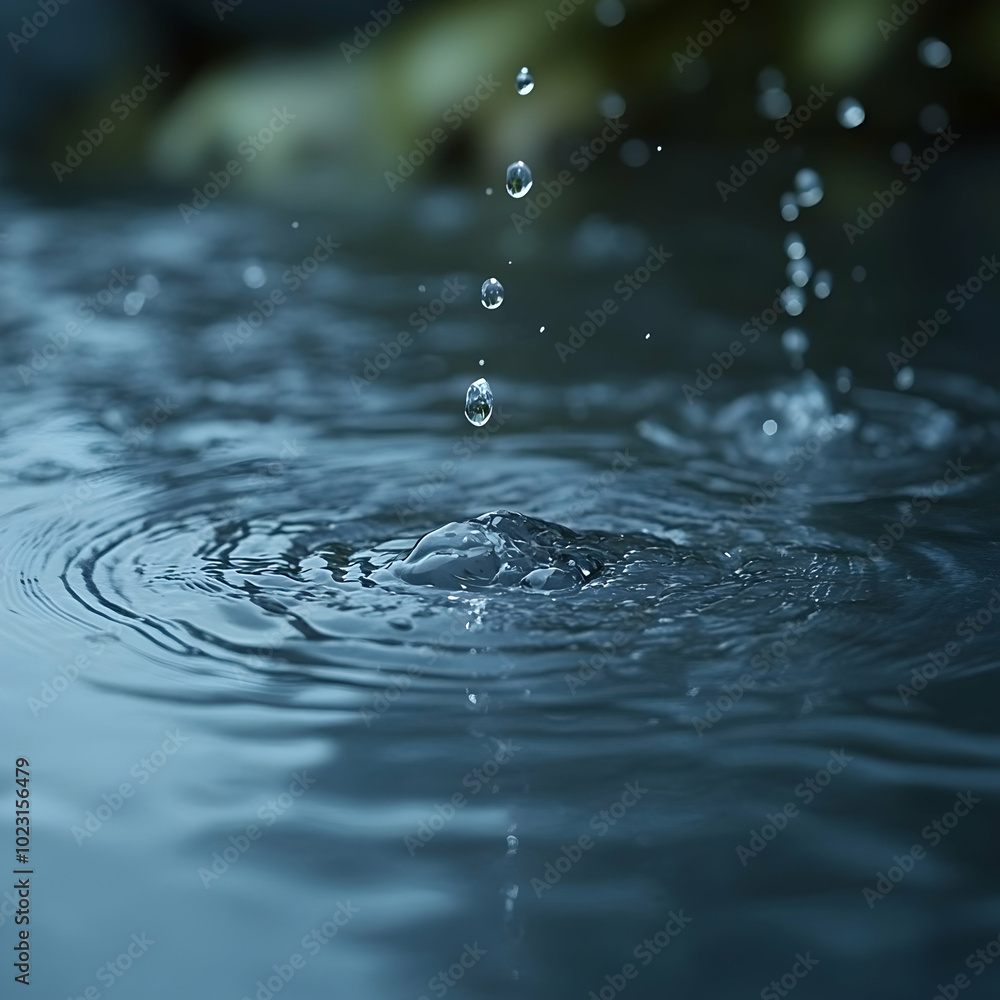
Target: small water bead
x=934, y=53
x=808, y=187
x=770, y=427
x=149, y=285
x=850, y=113
x=795, y=341
x=773, y=103
x=844, y=377
x=295, y=225
x=492, y=294
x=823, y=284
x=421, y=288
x=612, y=105
x=134, y=301
x=254, y=276
x=479, y=402
x=904, y=378
x=858, y=273
x=794, y=247
x=524, y=81
x=518, y=179
x=489, y=190
x=789, y=207
x=794, y=300
x=799, y=271
x=934, y=119
x=634, y=153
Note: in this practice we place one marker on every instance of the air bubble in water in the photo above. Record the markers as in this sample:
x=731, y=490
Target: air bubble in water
x=934, y=53
x=795, y=341
x=479, y=402
x=789, y=207
x=799, y=271
x=794, y=247
x=254, y=276
x=808, y=187
x=794, y=300
x=492, y=294
x=823, y=284
x=518, y=179
x=850, y=113
x=524, y=81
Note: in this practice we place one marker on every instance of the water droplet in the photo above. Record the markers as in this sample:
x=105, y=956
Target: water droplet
x=844, y=379
x=794, y=246
x=295, y=225
x=789, y=207
x=858, y=273
x=489, y=190
x=634, y=153
x=904, y=378
x=512, y=843
x=612, y=105
x=799, y=271
x=479, y=402
x=541, y=329
x=823, y=284
x=934, y=53
x=492, y=294
x=421, y=288
x=518, y=179
x=770, y=427
x=901, y=153
x=472, y=697
x=794, y=300
x=934, y=119
x=149, y=286
x=254, y=276
x=808, y=187
x=773, y=103
x=795, y=341
x=134, y=301
x=524, y=81
x=647, y=336
x=850, y=113
x=610, y=12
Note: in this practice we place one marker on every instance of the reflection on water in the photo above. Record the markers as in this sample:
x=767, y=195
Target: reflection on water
x=668, y=717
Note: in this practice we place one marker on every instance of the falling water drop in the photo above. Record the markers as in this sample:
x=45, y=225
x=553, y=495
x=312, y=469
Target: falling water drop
x=524, y=81
x=850, y=113
x=479, y=402
x=492, y=294
x=518, y=179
